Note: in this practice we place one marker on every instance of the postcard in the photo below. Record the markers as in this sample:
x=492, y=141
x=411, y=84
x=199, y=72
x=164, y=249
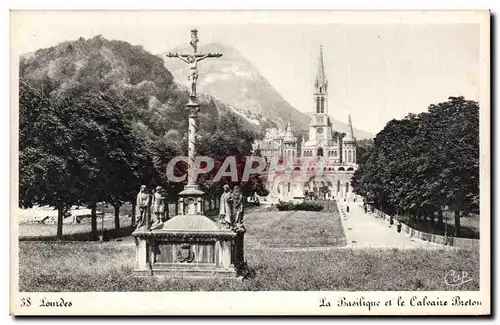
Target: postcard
x=250, y=163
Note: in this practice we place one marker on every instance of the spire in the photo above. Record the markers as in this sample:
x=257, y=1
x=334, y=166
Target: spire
x=320, y=77
x=350, y=133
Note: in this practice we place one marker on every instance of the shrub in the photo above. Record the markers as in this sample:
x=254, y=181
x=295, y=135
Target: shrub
x=309, y=206
x=285, y=206
x=303, y=206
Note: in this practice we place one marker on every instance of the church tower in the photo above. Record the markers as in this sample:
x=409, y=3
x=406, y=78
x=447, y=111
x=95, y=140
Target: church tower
x=349, y=145
x=289, y=144
x=320, y=126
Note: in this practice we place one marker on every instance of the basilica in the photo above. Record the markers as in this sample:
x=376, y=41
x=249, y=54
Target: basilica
x=332, y=151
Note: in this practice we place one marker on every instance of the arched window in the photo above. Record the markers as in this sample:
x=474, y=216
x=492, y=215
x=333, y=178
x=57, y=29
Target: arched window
x=320, y=152
x=317, y=105
x=322, y=104
x=350, y=169
x=347, y=187
x=341, y=169
x=338, y=186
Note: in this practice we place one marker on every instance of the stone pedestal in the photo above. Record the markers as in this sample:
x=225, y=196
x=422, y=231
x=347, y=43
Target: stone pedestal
x=189, y=246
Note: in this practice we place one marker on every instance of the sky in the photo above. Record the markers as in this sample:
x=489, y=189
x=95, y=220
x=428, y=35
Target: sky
x=378, y=69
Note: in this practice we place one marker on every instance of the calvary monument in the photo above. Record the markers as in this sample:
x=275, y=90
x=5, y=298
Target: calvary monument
x=189, y=244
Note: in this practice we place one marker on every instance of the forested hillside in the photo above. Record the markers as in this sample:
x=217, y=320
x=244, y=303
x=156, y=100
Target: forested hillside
x=98, y=118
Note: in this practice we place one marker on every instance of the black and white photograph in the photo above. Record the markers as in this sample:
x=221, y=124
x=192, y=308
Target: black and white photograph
x=215, y=162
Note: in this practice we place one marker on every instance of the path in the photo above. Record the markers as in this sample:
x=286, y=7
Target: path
x=365, y=230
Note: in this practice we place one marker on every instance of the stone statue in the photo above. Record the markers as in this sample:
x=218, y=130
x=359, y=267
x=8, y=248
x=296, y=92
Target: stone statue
x=159, y=203
x=193, y=60
x=237, y=210
x=142, y=206
x=225, y=208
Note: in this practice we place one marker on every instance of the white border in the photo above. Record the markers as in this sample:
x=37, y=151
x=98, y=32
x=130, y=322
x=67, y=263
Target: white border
x=302, y=295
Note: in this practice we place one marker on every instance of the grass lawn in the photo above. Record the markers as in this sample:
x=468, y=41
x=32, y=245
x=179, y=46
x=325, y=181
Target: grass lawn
x=84, y=266
x=91, y=266
x=293, y=229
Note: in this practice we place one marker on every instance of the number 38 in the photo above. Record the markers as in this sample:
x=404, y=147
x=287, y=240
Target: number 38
x=25, y=302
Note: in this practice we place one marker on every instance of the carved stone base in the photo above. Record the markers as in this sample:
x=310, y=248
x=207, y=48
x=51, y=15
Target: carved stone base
x=189, y=246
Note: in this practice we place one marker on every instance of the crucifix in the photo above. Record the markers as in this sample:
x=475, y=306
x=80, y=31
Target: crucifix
x=191, y=194
x=192, y=60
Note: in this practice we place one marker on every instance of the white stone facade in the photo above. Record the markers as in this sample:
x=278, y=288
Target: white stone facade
x=323, y=164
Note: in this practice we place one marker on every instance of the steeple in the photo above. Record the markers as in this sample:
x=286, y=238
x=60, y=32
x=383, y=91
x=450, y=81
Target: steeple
x=350, y=133
x=320, y=96
x=321, y=83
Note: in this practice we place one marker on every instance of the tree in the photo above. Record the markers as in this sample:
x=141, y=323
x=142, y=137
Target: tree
x=104, y=152
x=454, y=126
x=43, y=160
x=424, y=162
x=363, y=150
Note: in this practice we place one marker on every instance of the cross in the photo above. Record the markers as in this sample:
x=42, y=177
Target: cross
x=192, y=59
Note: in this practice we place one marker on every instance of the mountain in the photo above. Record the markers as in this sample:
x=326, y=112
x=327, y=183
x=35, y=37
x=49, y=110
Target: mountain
x=124, y=71
x=358, y=134
x=237, y=82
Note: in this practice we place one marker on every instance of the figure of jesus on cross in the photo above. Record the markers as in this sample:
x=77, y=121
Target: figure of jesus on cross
x=192, y=59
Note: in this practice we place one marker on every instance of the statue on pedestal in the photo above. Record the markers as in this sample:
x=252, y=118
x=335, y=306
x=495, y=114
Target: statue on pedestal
x=142, y=206
x=238, y=210
x=225, y=207
x=159, y=203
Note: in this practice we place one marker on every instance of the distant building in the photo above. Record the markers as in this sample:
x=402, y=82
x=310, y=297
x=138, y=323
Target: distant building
x=325, y=148
x=278, y=143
